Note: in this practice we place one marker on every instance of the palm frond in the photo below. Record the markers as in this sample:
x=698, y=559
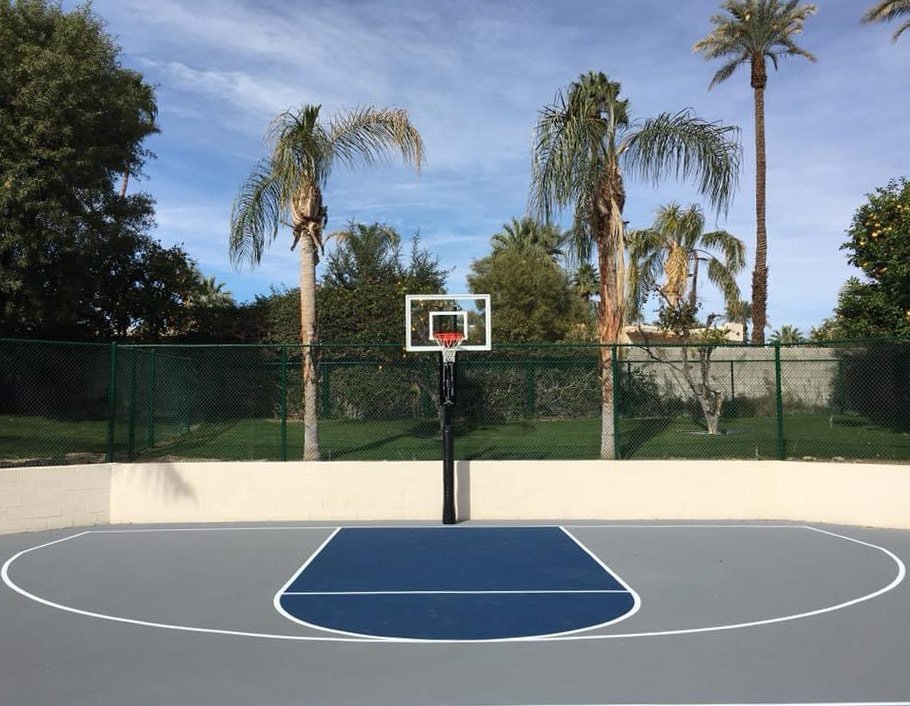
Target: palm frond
x=300, y=150
x=567, y=156
x=886, y=11
x=255, y=216
x=732, y=248
x=689, y=147
x=725, y=280
x=366, y=135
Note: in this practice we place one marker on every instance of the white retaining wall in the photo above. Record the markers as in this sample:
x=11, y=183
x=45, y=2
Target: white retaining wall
x=63, y=496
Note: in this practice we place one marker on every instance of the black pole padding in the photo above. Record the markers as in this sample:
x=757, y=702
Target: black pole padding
x=448, y=468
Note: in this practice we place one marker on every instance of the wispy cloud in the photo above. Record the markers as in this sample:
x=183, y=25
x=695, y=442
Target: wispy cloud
x=473, y=75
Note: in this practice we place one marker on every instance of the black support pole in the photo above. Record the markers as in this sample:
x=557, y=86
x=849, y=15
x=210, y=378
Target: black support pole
x=447, y=401
x=448, y=467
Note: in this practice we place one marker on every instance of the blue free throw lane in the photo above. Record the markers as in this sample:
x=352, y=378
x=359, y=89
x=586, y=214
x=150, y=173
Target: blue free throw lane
x=465, y=583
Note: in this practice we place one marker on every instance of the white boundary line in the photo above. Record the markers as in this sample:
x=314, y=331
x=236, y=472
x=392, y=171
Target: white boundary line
x=446, y=593
x=761, y=703
x=901, y=573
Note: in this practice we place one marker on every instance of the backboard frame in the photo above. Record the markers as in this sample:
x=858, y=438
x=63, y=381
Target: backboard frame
x=431, y=346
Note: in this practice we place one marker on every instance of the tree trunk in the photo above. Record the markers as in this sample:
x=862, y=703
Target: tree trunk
x=124, y=182
x=608, y=228
x=308, y=340
x=760, y=273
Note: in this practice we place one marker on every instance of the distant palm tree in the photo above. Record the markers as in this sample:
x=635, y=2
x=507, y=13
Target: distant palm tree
x=145, y=124
x=365, y=253
x=583, y=142
x=887, y=10
x=674, y=251
x=751, y=33
x=528, y=236
x=211, y=293
x=286, y=189
x=740, y=312
x=788, y=334
x=586, y=282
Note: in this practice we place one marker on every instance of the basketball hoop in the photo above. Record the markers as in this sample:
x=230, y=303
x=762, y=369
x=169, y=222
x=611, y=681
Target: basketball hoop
x=448, y=342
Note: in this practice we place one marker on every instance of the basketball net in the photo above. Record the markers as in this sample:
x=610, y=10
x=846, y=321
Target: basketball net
x=449, y=342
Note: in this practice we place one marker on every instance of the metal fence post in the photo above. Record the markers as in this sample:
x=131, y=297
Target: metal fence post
x=614, y=373
x=111, y=402
x=283, y=403
x=778, y=388
x=150, y=403
x=131, y=436
x=530, y=392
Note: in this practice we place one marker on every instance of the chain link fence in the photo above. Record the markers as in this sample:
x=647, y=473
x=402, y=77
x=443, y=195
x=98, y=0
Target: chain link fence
x=82, y=402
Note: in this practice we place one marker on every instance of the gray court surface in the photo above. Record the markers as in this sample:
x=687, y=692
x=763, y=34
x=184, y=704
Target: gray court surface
x=729, y=613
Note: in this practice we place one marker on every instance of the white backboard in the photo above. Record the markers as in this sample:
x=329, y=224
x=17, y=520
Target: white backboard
x=427, y=314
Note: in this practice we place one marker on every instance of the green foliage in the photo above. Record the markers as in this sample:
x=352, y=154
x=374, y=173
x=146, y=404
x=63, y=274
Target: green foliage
x=75, y=260
x=531, y=300
x=361, y=297
x=879, y=245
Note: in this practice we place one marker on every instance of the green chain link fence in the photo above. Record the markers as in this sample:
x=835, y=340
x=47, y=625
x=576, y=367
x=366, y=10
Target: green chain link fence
x=82, y=402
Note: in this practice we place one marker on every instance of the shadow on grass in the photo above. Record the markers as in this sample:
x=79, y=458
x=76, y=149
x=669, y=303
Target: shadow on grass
x=422, y=431
x=644, y=430
x=201, y=438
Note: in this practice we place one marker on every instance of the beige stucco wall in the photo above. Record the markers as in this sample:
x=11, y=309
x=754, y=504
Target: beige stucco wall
x=859, y=494
x=49, y=497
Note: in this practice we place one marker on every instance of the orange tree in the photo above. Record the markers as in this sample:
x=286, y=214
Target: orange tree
x=879, y=245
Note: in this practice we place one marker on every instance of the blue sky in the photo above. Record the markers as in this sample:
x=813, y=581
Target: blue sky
x=473, y=74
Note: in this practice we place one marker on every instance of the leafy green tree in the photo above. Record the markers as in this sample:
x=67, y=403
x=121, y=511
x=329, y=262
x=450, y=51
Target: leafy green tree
x=675, y=250
x=361, y=296
x=583, y=144
x=531, y=300
x=751, y=33
x=887, y=10
x=287, y=187
x=73, y=120
x=879, y=244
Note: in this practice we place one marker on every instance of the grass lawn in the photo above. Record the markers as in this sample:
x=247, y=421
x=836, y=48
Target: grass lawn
x=42, y=440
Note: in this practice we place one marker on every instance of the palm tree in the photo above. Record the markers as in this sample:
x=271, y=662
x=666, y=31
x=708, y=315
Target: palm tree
x=753, y=32
x=582, y=144
x=887, y=10
x=365, y=253
x=585, y=282
x=675, y=250
x=145, y=125
x=740, y=312
x=211, y=293
x=528, y=236
x=788, y=334
x=286, y=188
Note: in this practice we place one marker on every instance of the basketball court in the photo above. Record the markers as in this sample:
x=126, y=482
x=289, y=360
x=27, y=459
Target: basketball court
x=471, y=614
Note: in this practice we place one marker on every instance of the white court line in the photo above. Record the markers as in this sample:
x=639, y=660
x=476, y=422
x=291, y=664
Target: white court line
x=445, y=593
x=901, y=573
x=756, y=703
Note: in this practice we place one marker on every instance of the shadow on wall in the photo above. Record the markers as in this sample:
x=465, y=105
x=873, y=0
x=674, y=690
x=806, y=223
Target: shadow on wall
x=165, y=480
x=463, y=490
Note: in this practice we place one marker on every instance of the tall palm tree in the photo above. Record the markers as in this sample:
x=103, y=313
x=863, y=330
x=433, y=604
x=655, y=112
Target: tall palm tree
x=211, y=293
x=675, y=250
x=887, y=10
x=583, y=142
x=752, y=32
x=286, y=188
x=528, y=237
x=145, y=125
